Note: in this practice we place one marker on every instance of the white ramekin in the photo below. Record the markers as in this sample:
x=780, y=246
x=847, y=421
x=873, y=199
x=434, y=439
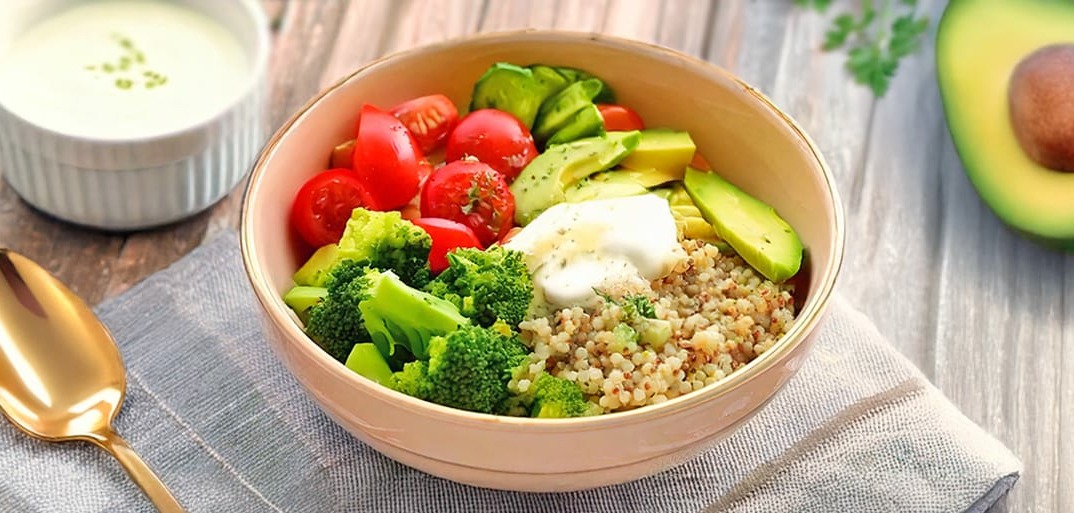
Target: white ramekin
x=137, y=183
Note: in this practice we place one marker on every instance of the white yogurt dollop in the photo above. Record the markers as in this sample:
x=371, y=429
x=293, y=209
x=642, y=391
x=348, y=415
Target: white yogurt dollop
x=122, y=68
x=612, y=245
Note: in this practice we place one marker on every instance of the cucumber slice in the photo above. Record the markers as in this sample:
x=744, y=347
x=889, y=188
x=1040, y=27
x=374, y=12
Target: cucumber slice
x=509, y=88
x=549, y=81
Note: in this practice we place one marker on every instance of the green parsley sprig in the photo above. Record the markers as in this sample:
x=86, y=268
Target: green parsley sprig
x=876, y=39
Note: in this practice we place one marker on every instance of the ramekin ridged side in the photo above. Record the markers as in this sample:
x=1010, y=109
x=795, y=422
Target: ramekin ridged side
x=126, y=185
x=147, y=181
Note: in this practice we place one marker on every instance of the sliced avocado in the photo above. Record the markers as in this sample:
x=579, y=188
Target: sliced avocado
x=367, y=361
x=667, y=151
x=675, y=194
x=315, y=271
x=585, y=123
x=603, y=185
x=576, y=75
x=756, y=232
x=556, y=112
x=650, y=177
x=996, y=89
x=508, y=88
x=543, y=182
x=302, y=297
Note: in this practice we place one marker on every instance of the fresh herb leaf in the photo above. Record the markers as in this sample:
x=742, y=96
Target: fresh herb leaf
x=875, y=39
x=820, y=5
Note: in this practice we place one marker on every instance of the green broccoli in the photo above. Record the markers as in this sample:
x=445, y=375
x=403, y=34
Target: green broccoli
x=395, y=314
x=486, y=285
x=555, y=397
x=386, y=241
x=467, y=369
x=335, y=323
x=381, y=240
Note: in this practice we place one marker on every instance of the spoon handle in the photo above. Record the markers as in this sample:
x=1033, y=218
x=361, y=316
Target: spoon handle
x=140, y=473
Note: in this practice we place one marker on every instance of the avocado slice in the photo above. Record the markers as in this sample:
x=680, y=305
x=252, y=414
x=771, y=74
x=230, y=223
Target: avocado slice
x=543, y=182
x=585, y=123
x=603, y=185
x=753, y=228
x=302, y=297
x=556, y=112
x=668, y=152
x=978, y=76
x=314, y=272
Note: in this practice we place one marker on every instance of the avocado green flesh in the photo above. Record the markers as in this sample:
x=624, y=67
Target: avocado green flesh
x=974, y=68
x=753, y=228
x=557, y=112
x=367, y=361
x=665, y=151
x=315, y=271
x=604, y=185
x=302, y=297
x=543, y=182
x=587, y=122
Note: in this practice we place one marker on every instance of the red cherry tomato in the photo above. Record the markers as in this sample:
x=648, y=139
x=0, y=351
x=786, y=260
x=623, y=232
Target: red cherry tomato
x=386, y=159
x=618, y=117
x=447, y=235
x=494, y=137
x=323, y=205
x=429, y=119
x=473, y=194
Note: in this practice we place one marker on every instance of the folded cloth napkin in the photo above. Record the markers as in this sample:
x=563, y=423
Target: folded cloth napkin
x=228, y=430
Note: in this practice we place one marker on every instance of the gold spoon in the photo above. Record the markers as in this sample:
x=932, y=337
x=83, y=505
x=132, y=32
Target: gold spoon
x=61, y=374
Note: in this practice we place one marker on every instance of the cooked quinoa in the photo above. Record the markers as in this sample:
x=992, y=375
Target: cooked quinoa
x=722, y=315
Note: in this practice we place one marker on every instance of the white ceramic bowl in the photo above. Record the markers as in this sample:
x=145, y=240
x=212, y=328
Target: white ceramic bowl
x=739, y=131
x=145, y=180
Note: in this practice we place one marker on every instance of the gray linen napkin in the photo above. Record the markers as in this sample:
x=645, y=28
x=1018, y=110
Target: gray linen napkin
x=209, y=407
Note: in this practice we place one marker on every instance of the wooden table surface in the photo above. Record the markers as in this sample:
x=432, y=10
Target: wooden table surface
x=988, y=316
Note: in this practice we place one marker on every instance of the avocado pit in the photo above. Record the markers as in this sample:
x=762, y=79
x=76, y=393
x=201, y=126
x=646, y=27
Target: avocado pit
x=1041, y=99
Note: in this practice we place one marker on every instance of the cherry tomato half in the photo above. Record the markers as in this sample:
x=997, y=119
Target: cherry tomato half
x=494, y=137
x=429, y=118
x=323, y=205
x=473, y=194
x=618, y=117
x=386, y=159
x=447, y=235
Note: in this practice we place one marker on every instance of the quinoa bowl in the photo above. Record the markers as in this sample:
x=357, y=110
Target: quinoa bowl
x=732, y=336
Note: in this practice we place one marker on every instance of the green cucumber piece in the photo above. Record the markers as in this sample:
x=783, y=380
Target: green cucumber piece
x=509, y=88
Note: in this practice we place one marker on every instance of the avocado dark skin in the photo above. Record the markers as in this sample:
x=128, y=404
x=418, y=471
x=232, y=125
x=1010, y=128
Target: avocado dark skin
x=1009, y=107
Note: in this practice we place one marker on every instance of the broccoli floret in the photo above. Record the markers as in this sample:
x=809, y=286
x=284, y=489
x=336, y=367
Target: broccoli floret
x=386, y=241
x=467, y=369
x=396, y=314
x=555, y=397
x=336, y=322
x=413, y=380
x=486, y=285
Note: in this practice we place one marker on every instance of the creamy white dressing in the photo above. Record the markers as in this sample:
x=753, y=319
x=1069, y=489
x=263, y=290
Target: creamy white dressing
x=122, y=68
x=607, y=244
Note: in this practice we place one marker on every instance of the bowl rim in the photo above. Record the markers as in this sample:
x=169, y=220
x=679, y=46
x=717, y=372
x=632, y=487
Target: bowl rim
x=805, y=323
x=255, y=76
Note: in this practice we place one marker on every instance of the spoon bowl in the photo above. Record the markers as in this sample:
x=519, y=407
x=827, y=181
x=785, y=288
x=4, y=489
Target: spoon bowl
x=62, y=377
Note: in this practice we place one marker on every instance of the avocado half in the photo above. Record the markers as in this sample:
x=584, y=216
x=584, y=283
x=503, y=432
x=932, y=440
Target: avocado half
x=979, y=45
